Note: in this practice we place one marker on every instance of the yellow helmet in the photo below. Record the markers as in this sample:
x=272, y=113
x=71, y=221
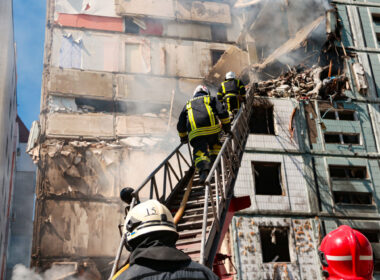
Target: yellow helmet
x=148, y=217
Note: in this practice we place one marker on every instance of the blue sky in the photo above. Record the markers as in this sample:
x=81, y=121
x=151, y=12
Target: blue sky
x=29, y=30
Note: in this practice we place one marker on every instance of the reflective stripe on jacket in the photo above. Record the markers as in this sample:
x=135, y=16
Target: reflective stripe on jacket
x=198, y=117
x=231, y=88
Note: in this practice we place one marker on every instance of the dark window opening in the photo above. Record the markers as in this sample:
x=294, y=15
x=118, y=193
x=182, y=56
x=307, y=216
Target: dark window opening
x=342, y=115
x=348, y=172
x=371, y=234
x=328, y=115
x=267, y=177
x=95, y=105
x=353, y=198
x=351, y=138
x=216, y=55
x=376, y=19
x=376, y=267
x=131, y=27
x=124, y=107
x=332, y=138
x=347, y=115
x=261, y=121
x=275, y=244
x=218, y=32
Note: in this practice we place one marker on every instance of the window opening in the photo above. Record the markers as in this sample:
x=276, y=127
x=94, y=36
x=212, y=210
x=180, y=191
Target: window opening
x=262, y=121
x=216, y=55
x=342, y=115
x=218, y=32
x=267, y=176
x=131, y=27
x=275, y=244
x=371, y=234
x=337, y=138
x=348, y=172
x=376, y=19
x=353, y=198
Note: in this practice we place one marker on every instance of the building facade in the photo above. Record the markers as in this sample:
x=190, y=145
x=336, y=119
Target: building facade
x=117, y=74
x=326, y=174
x=8, y=112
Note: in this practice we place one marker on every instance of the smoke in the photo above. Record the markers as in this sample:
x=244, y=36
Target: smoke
x=20, y=272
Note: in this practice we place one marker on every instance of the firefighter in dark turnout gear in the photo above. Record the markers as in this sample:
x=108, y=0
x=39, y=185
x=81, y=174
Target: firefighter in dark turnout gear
x=231, y=92
x=198, y=124
x=151, y=236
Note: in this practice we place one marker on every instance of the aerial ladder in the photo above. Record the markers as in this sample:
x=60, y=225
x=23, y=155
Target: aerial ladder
x=202, y=212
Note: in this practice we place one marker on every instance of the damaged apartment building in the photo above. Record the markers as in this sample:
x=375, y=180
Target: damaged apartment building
x=116, y=75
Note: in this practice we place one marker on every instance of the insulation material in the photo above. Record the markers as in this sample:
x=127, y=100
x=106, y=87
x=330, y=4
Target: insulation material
x=62, y=104
x=234, y=59
x=88, y=125
x=91, y=22
x=140, y=125
x=82, y=170
x=141, y=88
x=77, y=228
x=80, y=83
x=180, y=9
x=360, y=78
x=90, y=7
x=70, y=52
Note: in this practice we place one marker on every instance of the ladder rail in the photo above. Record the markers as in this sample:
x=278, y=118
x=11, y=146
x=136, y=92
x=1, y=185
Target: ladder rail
x=226, y=166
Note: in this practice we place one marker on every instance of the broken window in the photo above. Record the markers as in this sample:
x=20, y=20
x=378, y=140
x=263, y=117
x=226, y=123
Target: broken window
x=275, y=244
x=130, y=26
x=343, y=115
x=267, y=176
x=216, y=55
x=261, y=121
x=347, y=172
x=352, y=198
x=219, y=32
x=342, y=138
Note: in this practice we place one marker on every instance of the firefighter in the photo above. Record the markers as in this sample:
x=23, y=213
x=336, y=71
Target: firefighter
x=151, y=236
x=198, y=124
x=231, y=92
x=345, y=254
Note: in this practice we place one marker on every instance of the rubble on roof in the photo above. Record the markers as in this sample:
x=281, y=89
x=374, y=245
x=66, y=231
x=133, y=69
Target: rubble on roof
x=304, y=83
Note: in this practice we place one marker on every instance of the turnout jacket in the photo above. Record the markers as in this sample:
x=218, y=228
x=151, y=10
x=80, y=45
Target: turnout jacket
x=164, y=263
x=231, y=87
x=198, y=117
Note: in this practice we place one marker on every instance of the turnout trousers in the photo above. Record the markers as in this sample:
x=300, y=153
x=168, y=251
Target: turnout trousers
x=232, y=103
x=205, y=150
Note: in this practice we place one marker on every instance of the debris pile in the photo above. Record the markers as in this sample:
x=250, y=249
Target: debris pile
x=301, y=83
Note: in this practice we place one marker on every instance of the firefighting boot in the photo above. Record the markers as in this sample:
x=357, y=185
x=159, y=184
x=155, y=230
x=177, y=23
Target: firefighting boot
x=203, y=176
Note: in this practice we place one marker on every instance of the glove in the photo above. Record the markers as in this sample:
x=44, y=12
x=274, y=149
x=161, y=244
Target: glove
x=184, y=139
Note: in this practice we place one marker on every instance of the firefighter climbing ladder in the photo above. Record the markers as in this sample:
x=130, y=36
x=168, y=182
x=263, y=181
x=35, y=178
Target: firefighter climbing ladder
x=199, y=210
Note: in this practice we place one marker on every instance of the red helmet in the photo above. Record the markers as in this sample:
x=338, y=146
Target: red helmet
x=346, y=254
